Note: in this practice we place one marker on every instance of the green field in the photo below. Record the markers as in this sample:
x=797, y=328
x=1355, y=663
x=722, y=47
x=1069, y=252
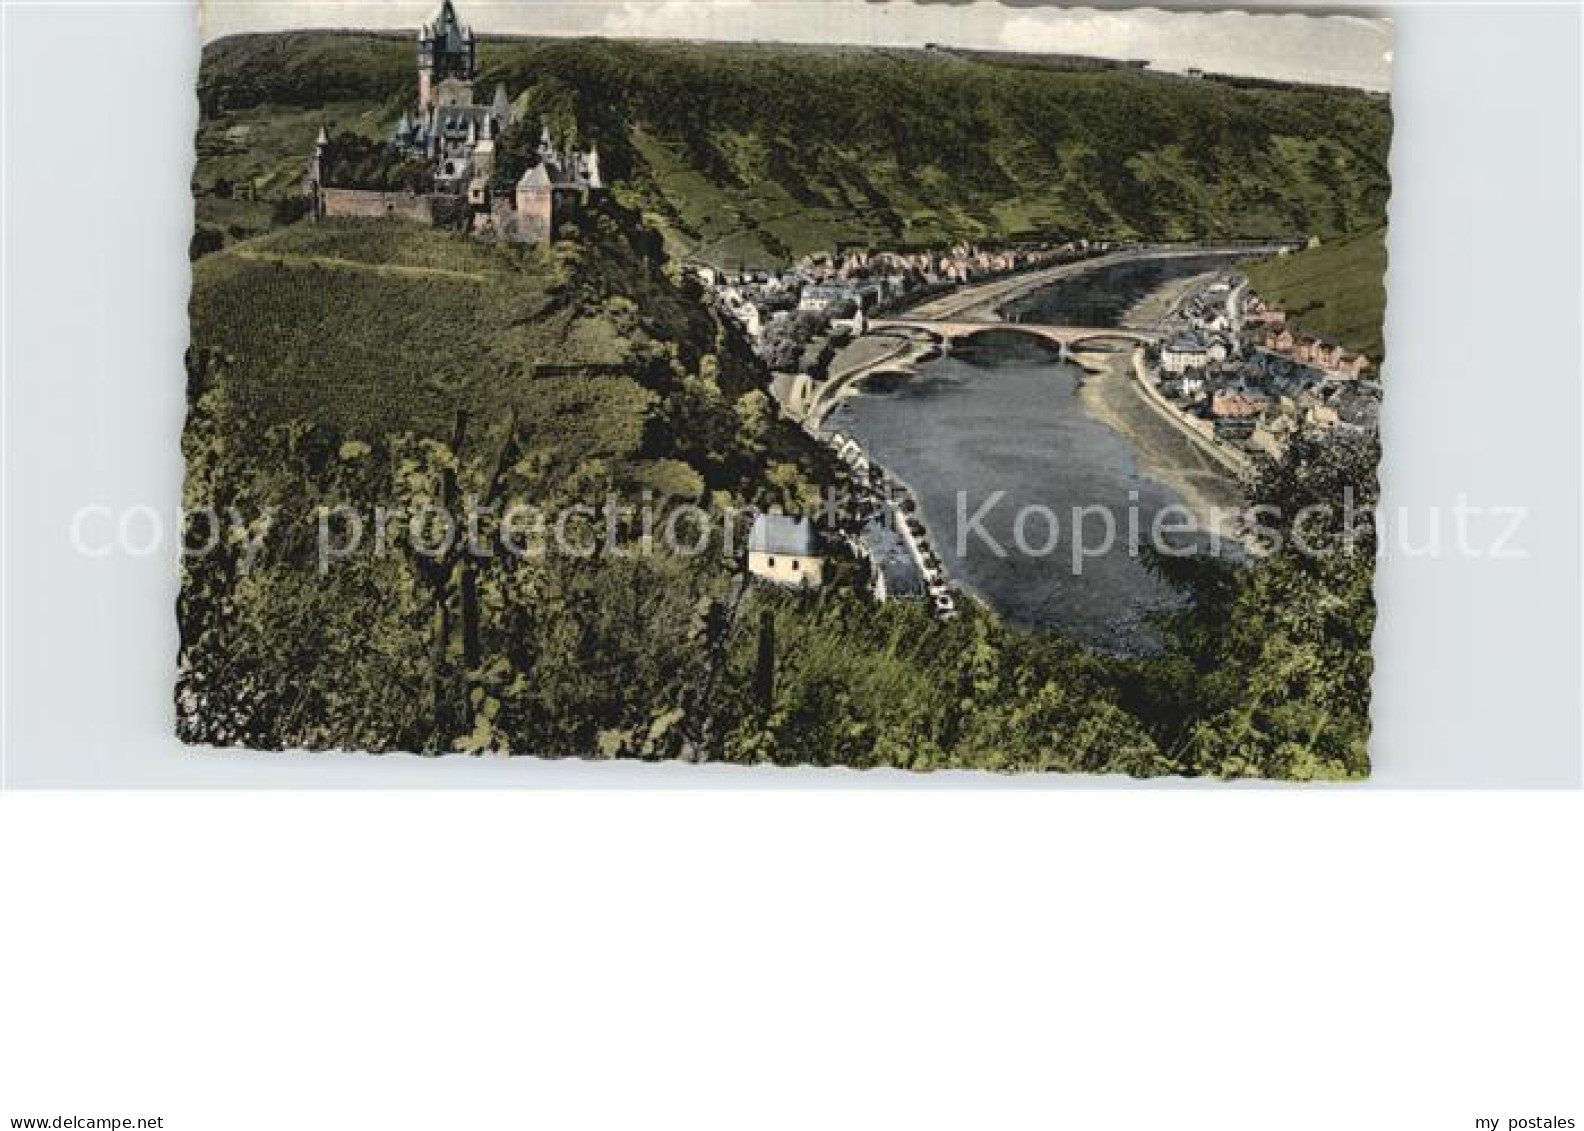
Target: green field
x=1337, y=289
x=372, y=328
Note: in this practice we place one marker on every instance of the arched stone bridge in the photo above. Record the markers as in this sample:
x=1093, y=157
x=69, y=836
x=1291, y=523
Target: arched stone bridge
x=1068, y=338
x=816, y=401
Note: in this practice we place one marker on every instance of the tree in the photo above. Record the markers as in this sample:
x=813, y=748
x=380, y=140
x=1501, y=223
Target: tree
x=1281, y=648
x=353, y=161
x=516, y=151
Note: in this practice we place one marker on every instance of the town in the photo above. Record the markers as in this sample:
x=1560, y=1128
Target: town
x=1236, y=374
x=797, y=317
x=1249, y=377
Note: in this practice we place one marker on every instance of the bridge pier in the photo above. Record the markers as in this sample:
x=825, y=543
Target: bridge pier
x=947, y=333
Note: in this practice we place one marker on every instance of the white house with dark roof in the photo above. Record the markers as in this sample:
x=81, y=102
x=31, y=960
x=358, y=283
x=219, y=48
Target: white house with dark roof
x=1182, y=354
x=784, y=549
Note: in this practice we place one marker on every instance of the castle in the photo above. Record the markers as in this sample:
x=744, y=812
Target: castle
x=455, y=138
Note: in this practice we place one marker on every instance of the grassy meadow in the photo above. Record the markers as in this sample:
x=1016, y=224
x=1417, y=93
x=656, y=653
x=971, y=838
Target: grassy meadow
x=1338, y=288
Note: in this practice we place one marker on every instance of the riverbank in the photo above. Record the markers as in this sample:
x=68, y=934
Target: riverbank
x=980, y=301
x=1208, y=486
x=1167, y=447
x=861, y=358
x=983, y=302
x=1154, y=308
x=1003, y=431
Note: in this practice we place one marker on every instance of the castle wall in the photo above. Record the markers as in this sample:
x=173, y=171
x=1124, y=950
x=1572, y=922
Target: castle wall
x=424, y=208
x=452, y=91
x=374, y=203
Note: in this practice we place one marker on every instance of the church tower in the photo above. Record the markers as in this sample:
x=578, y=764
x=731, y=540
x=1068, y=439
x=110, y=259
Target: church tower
x=447, y=61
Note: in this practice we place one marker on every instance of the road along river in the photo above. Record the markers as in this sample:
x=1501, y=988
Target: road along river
x=1038, y=482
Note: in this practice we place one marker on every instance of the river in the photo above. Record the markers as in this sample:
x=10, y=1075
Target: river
x=999, y=431
x=1103, y=296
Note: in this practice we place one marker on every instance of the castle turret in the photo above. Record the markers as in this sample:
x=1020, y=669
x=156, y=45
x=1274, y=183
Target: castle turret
x=316, y=162
x=535, y=201
x=484, y=150
x=314, y=178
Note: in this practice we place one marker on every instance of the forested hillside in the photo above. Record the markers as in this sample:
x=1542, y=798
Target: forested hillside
x=348, y=369
x=1338, y=288
x=756, y=154
x=359, y=365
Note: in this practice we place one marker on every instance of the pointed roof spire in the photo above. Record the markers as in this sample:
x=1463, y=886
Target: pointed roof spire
x=323, y=138
x=537, y=176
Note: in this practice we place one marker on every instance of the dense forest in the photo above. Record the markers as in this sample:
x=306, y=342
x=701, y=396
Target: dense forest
x=739, y=153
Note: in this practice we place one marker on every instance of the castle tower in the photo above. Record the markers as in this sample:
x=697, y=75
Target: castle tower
x=447, y=61
x=501, y=107
x=535, y=200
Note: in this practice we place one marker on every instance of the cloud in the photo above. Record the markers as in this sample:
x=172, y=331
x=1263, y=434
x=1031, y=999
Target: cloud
x=1327, y=49
x=679, y=19
x=1341, y=49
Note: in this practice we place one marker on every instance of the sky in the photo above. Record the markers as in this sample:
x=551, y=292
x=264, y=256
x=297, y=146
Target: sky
x=1341, y=49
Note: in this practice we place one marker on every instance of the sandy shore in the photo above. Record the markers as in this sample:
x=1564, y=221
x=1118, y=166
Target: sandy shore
x=1212, y=492
x=1151, y=310
x=861, y=358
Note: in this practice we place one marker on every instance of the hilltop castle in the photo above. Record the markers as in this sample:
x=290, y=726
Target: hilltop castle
x=455, y=138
